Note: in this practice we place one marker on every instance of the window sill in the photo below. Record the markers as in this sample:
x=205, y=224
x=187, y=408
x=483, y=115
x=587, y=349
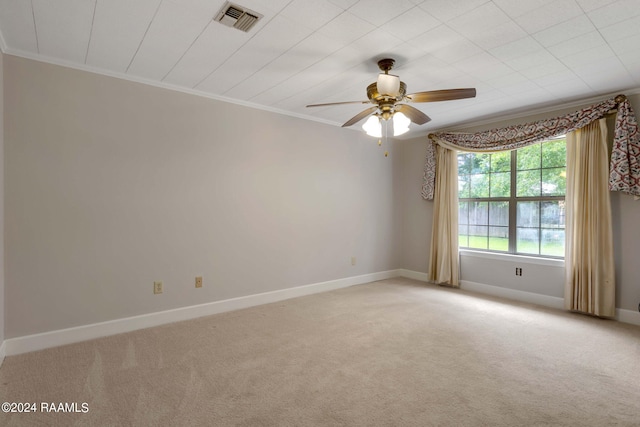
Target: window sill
x=511, y=257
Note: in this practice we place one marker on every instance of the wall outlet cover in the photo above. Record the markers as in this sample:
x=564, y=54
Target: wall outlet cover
x=157, y=287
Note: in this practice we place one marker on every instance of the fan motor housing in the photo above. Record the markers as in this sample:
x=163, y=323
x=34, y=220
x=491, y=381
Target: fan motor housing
x=374, y=96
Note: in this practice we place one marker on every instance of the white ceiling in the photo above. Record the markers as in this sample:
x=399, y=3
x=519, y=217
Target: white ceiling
x=519, y=54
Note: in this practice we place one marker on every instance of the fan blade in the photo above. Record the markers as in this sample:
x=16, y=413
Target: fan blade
x=415, y=115
x=361, y=115
x=339, y=103
x=442, y=95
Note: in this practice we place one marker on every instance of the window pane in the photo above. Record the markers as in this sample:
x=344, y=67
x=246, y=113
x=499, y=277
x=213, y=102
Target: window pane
x=501, y=162
x=479, y=185
x=499, y=213
x=464, y=164
x=528, y=240
x=554, y=153
x=463, y=186
x=529, y=157
x=480, y=163
x=499, y=238
x=463, y=213
x=479, y=213
x=528, y=183
x=478, y=236
x=500, y=184
x=528, y=214
x=554, y=181
x=552, y=242
x=552, y=214
x=463, y=236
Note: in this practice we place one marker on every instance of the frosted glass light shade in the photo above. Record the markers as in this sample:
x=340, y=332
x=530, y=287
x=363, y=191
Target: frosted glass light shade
x=388, y=85
x=400, y=124
x=372, y=127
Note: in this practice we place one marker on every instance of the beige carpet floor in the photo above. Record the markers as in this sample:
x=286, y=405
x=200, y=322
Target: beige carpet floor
x=390, y=353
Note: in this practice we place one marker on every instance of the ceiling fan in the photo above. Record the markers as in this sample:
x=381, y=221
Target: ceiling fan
x=389, y=95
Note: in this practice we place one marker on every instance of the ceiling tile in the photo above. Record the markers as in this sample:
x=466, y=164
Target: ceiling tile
x=279, y=35
x=544, y=69
x=562, y=32
x=169, y=36
x=621, y=30
x=607, y=15
x=484, y=66
x=548, y=15
x=311, y=13
x=306, y=53
x=516, y=49
x=589, y=5
x=344, y=4
x=456, y=51
x=588, y=57
x=210, y=50
x=346, y=28
x=410, y=24
x=498, y=35
x=64, y=28
x=376, y=42
x=17, y=26
x=445, y=10
x=577, y=44
x=378, y=12
x=519, y=8
x=532, y=60
x=630, y=44
x=477, y=20
x=437, y=38
x=112, y=46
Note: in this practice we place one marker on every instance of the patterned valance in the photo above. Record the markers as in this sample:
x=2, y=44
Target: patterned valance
x=625, y=158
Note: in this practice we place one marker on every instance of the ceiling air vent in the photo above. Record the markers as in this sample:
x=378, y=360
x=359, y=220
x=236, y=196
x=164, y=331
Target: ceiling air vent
x=233, y=15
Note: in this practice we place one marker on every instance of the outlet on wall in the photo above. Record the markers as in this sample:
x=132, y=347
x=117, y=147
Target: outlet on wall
x=353, y=260
x=199, y=282
x=157, y=287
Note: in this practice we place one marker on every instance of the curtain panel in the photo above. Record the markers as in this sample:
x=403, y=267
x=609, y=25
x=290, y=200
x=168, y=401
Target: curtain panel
x=624, y=170
x=590, y=285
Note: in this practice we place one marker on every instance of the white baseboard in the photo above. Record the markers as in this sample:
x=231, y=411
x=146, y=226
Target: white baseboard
x=625, y=316
x=522, y=296
x=13, y=346
x=416, y=275
x=628, y=316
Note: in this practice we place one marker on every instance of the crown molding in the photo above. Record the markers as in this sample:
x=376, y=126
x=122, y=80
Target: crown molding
x=163, y=85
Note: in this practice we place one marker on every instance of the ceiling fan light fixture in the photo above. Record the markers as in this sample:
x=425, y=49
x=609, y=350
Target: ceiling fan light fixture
x=373, y=127
x=388, y=85
x=400, y=124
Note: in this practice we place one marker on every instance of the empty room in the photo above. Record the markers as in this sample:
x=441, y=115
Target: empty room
x=319, y=212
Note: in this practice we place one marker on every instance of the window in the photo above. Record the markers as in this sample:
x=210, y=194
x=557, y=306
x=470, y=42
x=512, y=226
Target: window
x=513, y=201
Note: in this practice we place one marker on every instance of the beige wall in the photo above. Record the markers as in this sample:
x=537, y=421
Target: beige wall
x=544, y=280
x=111, y=185
x=2, y=310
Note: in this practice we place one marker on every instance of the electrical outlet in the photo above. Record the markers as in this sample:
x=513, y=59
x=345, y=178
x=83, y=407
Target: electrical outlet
x=353, y=260
x=157, y=287
x=199, y=282
x=518, y=271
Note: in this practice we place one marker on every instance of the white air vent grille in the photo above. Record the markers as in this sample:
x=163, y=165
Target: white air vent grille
x=233, y=15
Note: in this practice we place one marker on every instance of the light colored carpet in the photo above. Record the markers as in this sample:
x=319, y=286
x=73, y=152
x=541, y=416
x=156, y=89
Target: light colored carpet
x=390, y=353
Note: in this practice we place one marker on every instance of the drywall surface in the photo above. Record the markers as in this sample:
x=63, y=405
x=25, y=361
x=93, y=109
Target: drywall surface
x=2, y=309
x=417, y=213
x=544, y=279
x=112, y=185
